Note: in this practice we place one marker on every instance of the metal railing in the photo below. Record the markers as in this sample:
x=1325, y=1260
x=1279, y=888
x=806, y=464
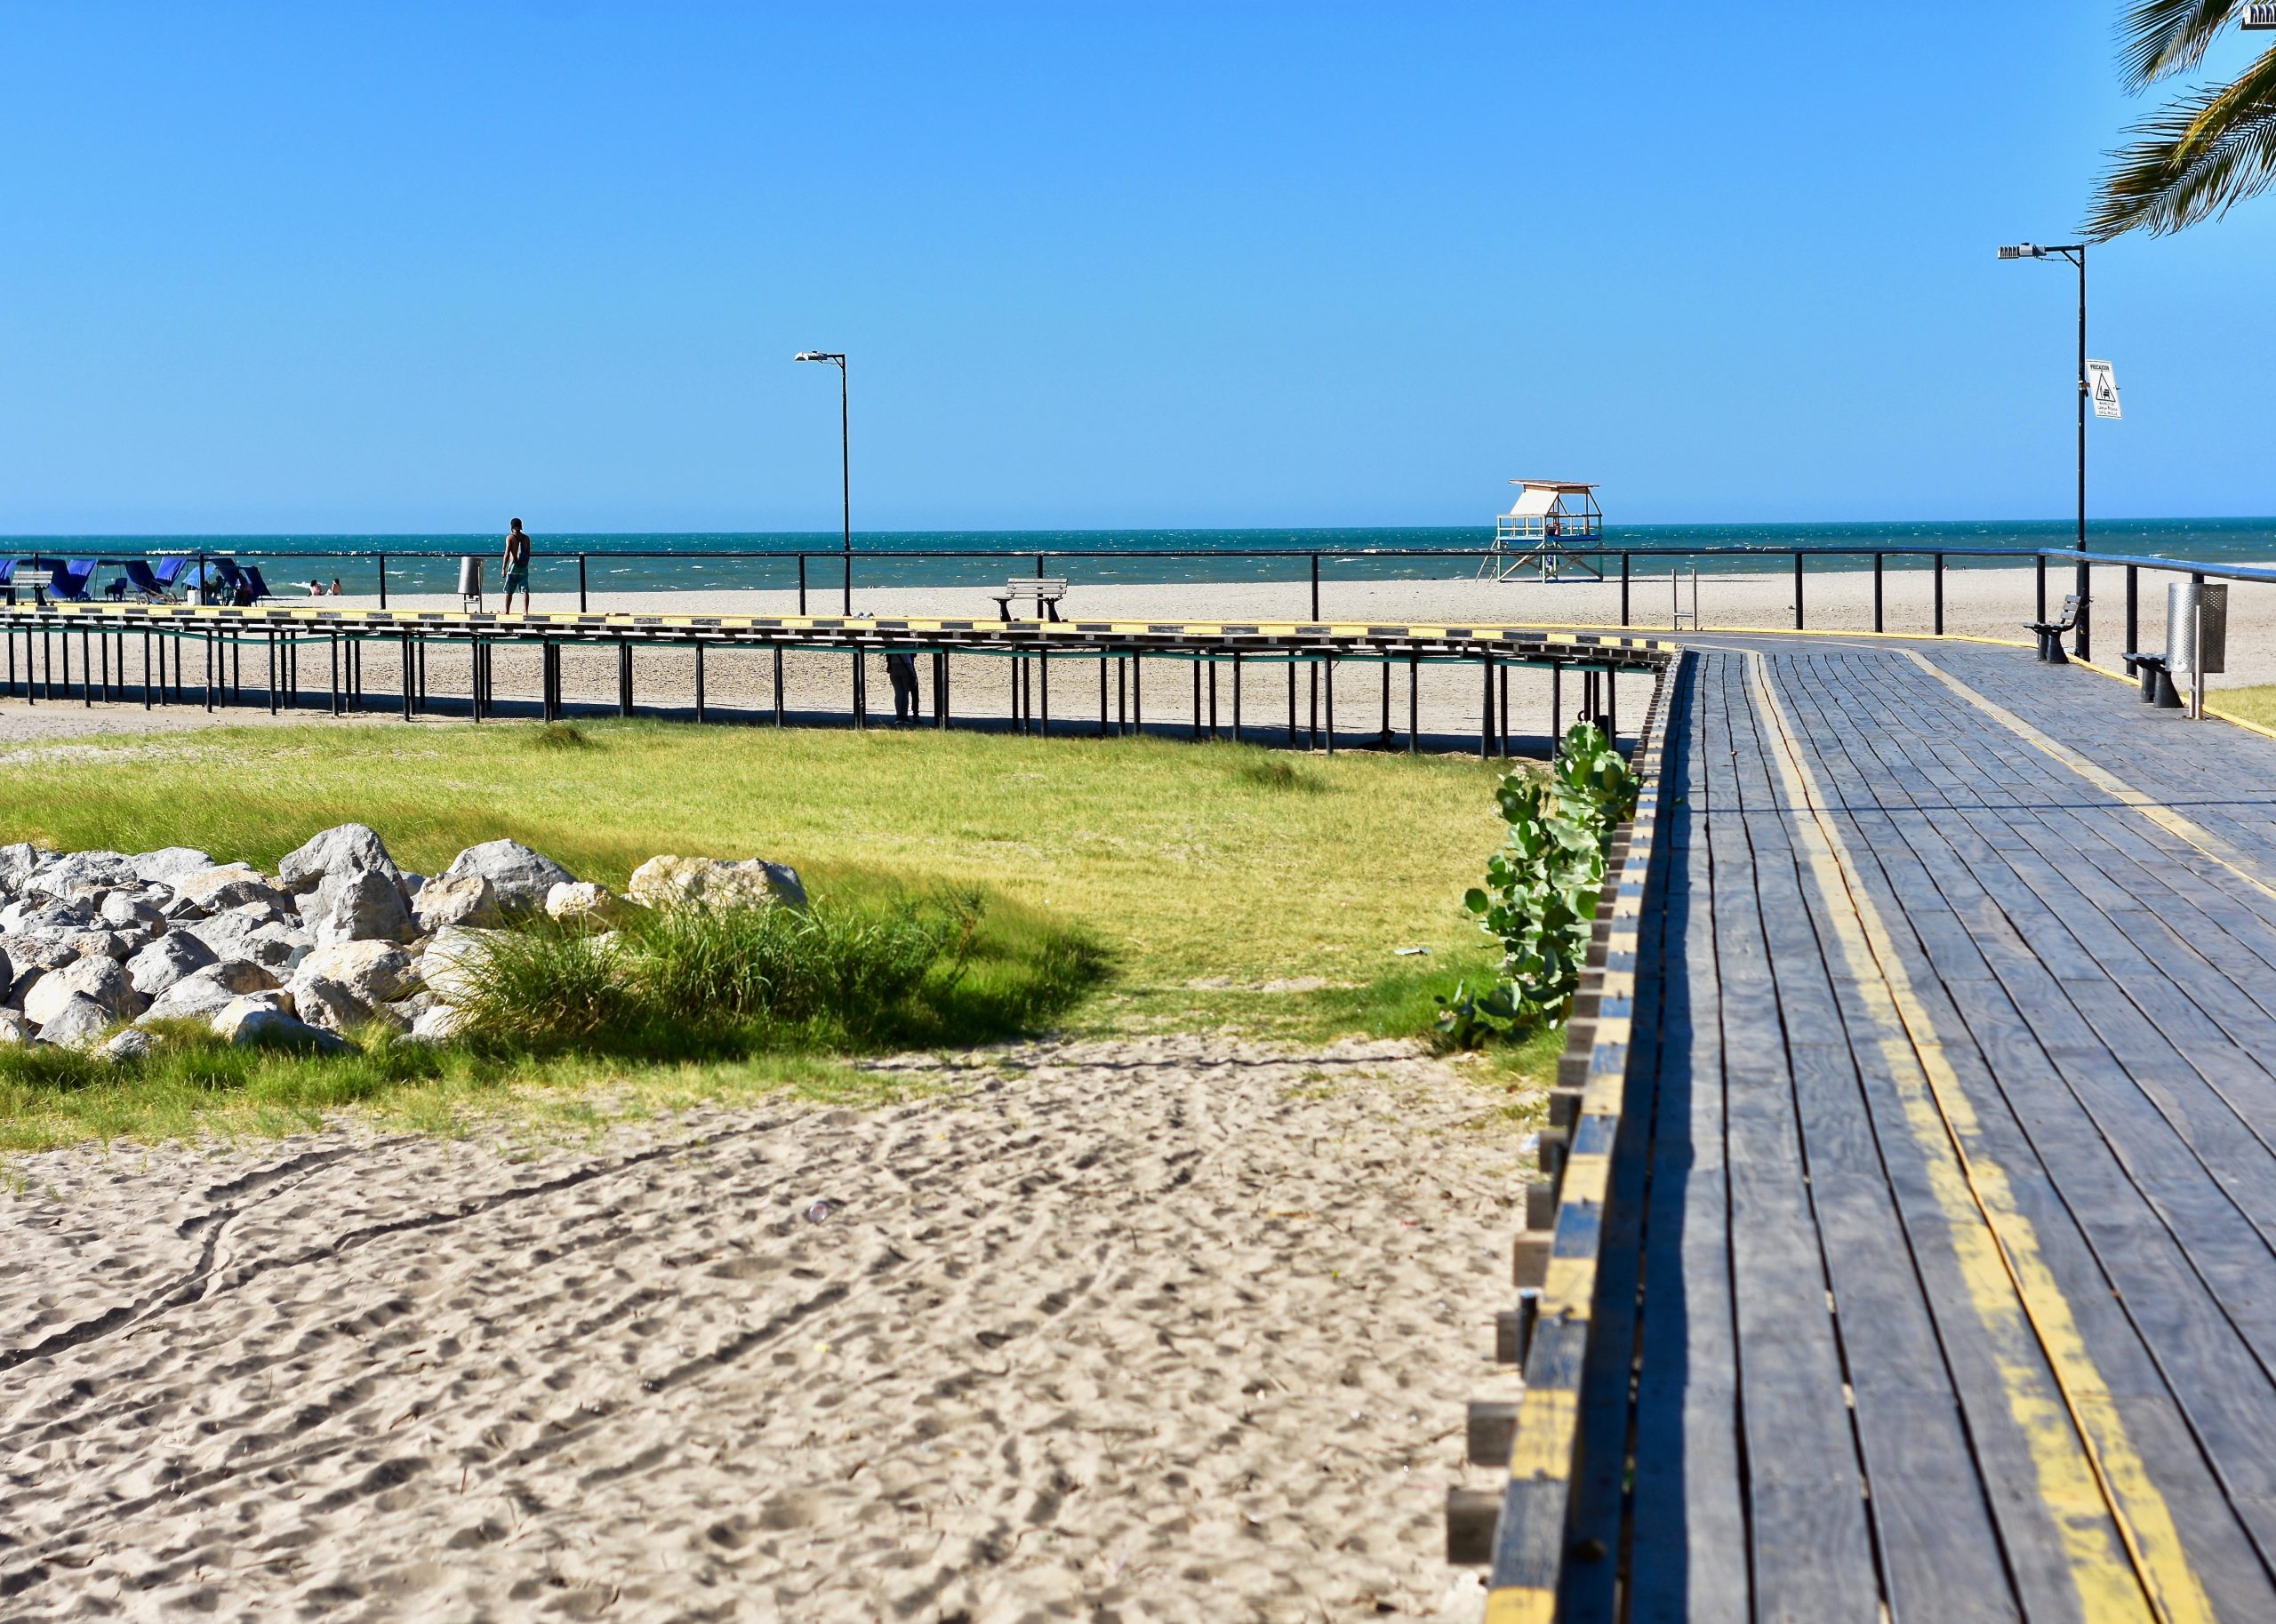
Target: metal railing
x=814, y=569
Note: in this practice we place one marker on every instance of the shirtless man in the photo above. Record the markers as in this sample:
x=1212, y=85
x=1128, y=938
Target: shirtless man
x=517, y=566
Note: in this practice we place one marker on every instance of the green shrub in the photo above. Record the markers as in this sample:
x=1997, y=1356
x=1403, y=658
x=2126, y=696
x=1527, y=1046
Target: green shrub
x=838, y=976
x=1541, y=887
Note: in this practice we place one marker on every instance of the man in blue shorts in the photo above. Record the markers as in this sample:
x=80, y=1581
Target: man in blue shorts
x=517, y=567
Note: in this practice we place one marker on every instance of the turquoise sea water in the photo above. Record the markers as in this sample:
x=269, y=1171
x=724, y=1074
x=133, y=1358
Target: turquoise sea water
x=891, y=558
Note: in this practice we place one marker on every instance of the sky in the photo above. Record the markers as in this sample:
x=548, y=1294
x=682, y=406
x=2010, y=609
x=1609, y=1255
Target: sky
x=402, y=268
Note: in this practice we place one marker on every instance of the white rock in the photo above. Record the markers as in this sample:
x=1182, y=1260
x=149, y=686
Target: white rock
x=166, y=961
x=125, y=911
x=352, y=848
x=194, y=998
x=76, y=1023
x=249, y=935
x=230, y=885
x=438, y=1025
x=582, y=902
x=254, y=1025
x=716, y=882
x=372, y=971
x=358, y=904
x=241, y=975
x=103, y=981
x=131, y=1044
x=18, y=863
x=44, y=915
x=470, y=900
x=520, y=877
x=168, y=864
x=323, y=1002
x=56, y=876
x=14, y=1029
x=451, y=962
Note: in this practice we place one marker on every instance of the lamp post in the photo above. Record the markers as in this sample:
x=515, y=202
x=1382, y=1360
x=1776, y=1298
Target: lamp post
x=845, y=465
x=2076, y=253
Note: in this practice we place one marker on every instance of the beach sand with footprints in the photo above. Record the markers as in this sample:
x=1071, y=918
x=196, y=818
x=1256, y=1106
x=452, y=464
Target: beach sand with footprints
x=1161, y=1329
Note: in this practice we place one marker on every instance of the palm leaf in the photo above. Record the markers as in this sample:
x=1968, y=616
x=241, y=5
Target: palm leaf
x=2164, y=37
x=2194, y=160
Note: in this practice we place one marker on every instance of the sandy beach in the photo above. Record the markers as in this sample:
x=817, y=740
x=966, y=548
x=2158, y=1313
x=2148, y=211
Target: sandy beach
x=1168, y=1329
x=741, y=686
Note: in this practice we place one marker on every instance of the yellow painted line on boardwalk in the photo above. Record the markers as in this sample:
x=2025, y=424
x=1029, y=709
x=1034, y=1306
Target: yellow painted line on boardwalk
x=2102, y=778
x=2119, y=1535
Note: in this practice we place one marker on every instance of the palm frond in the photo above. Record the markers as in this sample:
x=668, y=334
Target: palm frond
x=2194, y=160
x=2164, y=37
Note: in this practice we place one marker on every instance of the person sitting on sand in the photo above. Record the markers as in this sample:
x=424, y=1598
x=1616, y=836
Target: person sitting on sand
x=335, y=586
x=316, y=588
x=517, y=566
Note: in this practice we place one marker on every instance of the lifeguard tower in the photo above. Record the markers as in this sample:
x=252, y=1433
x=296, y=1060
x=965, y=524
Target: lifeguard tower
x=1553, y=525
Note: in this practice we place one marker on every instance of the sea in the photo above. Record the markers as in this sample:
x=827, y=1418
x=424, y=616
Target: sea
x=886, y=559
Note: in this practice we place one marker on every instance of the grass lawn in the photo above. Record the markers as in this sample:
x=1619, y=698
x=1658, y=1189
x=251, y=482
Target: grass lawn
x=2254, y=704
x=1202, y=875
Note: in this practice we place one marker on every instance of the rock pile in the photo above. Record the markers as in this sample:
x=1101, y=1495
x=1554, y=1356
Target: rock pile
x=96, y=947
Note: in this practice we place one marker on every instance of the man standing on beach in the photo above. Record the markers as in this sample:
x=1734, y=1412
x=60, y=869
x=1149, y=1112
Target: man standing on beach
x=517, y=566
x=901, y=670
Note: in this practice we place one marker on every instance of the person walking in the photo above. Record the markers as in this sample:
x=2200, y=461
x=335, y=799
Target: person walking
x=517, y=566
x=901, y=670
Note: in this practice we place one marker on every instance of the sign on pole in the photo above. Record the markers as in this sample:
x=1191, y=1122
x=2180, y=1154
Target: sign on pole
x=2101, y=384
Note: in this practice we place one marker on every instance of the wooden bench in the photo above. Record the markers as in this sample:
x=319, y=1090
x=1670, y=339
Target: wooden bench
x=38, y=581
x=1047, y=590
x=2050, y=632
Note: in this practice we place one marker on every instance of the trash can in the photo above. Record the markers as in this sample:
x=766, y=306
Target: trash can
x=470, y=583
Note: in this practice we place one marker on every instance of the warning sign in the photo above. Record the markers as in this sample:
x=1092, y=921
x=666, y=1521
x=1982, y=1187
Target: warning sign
x=2101, y=384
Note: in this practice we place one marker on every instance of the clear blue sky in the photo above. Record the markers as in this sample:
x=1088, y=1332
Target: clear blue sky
x=407, y=268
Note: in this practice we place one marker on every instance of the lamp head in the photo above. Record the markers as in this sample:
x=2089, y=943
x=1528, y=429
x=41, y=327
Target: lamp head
x=816, y=355
x=2023, y=251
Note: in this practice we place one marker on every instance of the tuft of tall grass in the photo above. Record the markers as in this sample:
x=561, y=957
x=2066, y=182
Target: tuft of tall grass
x=841, y=976
x=560, y=736
x=1280, y=774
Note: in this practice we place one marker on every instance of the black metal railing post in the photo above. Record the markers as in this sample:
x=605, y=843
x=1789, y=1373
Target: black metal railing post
x=1623, y=588
x=580, y=583
x=2133, y=612
x=1315, y=588
x=383, y=580
x=1798, y=589
x=1880, y=621
x=1940, y=594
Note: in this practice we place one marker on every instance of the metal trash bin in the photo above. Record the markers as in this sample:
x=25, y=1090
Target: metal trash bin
x=471, y=582
x=2196, y=640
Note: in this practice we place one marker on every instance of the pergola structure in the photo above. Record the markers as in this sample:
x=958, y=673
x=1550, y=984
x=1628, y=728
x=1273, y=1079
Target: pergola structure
x=1542, y=529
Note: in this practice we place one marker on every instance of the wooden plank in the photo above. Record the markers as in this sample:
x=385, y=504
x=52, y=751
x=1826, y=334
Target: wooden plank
x=2171, y=1312
x=1687, y=1531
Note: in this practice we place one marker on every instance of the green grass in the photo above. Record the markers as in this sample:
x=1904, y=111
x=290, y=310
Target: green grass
x=1113, y=876
x=2253, y=704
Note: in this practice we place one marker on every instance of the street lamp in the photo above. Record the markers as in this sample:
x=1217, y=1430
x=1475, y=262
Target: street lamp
x=2076, y=253
x=846, y=465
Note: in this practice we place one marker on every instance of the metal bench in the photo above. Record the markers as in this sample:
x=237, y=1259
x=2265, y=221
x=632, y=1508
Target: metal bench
x=2157, y=681
x=2050, y=632
x=1047, y=590
x=38, y=581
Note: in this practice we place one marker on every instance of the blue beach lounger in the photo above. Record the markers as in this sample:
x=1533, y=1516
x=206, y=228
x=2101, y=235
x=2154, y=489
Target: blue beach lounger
x=71, y=581
x=168, y=573
x=140, y=580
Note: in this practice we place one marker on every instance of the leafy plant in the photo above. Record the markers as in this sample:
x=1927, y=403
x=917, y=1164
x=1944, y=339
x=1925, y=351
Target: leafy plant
x=1541, y=891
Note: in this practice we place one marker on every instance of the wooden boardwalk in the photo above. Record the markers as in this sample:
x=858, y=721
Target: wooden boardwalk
x=1940, y=1249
